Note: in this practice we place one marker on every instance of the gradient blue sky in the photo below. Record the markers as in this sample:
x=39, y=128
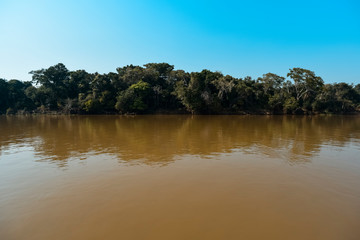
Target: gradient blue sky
x=240, y=38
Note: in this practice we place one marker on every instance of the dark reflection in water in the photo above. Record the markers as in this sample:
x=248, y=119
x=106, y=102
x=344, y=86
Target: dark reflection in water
x=159, y=139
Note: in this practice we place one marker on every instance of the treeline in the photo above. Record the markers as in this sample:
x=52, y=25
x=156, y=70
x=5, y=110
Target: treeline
x=158, y=88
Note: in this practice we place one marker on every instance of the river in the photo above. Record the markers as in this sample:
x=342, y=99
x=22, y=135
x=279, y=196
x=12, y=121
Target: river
x=179, y=177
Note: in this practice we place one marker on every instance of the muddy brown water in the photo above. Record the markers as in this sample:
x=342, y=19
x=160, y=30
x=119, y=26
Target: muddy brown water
x=180, y=177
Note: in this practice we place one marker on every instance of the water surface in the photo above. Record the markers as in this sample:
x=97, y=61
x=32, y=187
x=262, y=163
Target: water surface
x=180, y=177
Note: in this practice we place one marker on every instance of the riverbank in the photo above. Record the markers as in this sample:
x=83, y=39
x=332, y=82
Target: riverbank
x=180, y=112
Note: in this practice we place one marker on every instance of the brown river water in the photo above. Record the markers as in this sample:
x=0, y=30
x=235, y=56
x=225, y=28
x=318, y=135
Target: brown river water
x=180, y=177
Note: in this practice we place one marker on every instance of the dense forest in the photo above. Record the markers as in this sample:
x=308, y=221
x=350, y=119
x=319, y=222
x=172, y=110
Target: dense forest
x=158, y=88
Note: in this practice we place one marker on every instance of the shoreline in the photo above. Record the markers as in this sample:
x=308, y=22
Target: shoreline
x=180, y=113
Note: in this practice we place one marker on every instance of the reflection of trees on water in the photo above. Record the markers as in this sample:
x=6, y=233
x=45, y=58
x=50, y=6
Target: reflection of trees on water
x=158, y=139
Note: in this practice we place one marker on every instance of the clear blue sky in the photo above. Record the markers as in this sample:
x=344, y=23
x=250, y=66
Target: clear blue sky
x=240, y=38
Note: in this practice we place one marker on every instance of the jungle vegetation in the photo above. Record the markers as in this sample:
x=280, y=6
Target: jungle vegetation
x=159, y=88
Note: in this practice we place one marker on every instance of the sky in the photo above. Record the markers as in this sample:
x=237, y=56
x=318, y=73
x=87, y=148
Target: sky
x=239, y=38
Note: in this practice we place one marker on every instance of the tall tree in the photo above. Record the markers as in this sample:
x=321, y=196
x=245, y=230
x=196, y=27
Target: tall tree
x=306, y=84
x=4, y=91
x=56, y=80
x=272, y=86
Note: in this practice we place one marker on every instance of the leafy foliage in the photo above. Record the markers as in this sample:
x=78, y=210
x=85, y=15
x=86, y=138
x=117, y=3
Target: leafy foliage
x=158, y=87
